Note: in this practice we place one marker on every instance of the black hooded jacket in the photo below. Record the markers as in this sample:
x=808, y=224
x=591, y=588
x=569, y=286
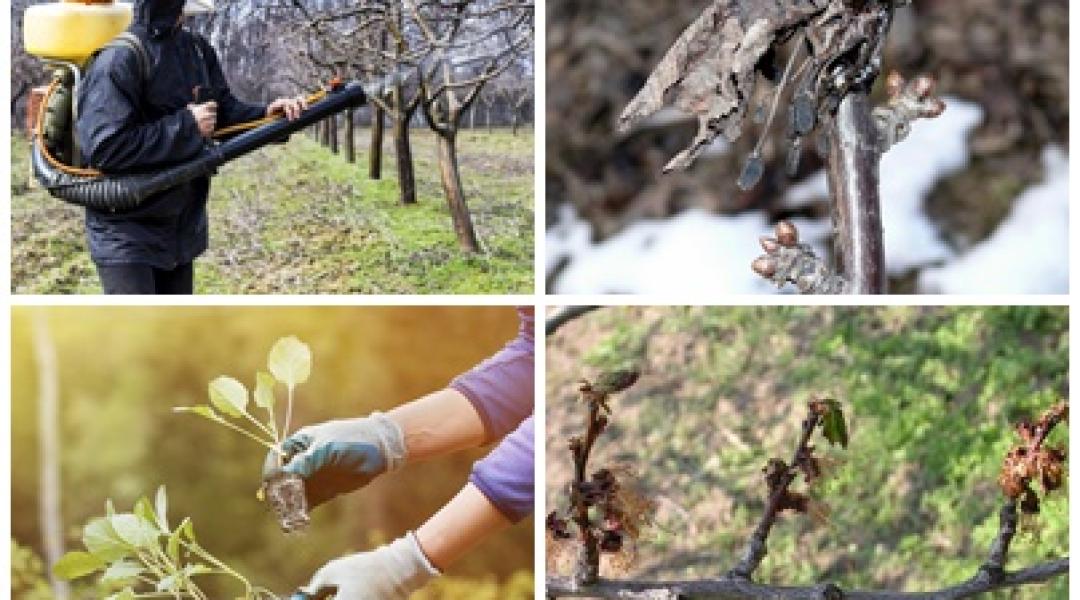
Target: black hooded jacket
x=127, y=125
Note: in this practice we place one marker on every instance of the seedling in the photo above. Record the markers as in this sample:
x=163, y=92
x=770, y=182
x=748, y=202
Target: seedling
x=138, y=554
x=289, y=362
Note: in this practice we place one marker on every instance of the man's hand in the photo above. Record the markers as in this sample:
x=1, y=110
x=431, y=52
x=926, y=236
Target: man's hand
x=290, y=107
x=206, y=116
x=341, y=456
x=391, y=572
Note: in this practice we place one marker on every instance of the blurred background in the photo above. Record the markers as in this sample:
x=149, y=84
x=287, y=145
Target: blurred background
x=121, y=370
x=930, y=394
x=974, y=201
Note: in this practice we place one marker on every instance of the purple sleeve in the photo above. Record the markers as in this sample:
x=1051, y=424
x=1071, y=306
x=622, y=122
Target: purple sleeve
x=505, y=476
x=501, y=387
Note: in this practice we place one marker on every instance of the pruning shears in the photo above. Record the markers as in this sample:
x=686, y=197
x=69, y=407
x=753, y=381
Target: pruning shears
x=324, y=593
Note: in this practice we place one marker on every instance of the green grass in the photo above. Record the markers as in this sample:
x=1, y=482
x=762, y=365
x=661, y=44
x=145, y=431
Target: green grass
x=931, y=395
x=296, y=219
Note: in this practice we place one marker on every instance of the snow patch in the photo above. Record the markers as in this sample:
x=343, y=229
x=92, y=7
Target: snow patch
x=1029, y=251
x=694, y=253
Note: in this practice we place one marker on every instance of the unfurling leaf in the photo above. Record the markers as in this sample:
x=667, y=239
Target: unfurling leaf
x=229, y=396
x=616, y=381
x=290, y=361
x=833, y=425
x=77, y=564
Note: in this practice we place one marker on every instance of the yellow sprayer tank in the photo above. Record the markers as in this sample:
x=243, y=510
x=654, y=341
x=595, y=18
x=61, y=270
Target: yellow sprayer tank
x=71, y=30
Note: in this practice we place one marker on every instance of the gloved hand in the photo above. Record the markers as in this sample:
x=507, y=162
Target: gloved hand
x=341, y=456
x=391, y=572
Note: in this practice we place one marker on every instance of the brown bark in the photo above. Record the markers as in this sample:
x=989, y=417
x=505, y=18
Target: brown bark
x=853, y=182
x=455, y=193
x=375, y=152
x=333, y=134
x=403, y=150
x=350, y=141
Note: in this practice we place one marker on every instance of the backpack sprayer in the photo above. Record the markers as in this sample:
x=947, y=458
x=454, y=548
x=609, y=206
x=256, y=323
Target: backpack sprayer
x=67, y=35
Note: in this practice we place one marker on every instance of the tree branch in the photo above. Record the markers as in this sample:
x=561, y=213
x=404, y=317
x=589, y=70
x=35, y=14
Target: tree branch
x=566, y=315
x=735, y=589
x=755, y=549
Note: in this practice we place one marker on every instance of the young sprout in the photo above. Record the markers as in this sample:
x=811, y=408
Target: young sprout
x=288, y=362
x=140, y=556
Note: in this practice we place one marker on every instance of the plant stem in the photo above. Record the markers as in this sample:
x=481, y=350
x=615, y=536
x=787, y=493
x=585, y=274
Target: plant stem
x=249, y=434
x=755, y=549
x=261, y=427
x=203, y=554
x=853, y=182
x=288, y=413
x=589, y=564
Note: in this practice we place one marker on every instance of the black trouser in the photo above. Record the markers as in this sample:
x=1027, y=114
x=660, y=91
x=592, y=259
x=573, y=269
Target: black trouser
x=144, y=279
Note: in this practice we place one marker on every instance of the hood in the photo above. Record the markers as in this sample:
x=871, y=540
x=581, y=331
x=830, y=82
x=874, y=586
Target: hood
x=159, y=17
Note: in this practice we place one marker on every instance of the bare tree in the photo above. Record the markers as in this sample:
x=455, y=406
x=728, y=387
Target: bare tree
x=473, y=42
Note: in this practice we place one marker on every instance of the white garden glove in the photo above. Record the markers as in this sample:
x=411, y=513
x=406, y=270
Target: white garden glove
x=391, y=572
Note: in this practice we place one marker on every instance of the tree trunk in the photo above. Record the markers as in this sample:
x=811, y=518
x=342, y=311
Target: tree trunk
x=52, y=527
x=853, y=183
x=455, y=194
x=375, y=155
x=333, y=134
x=324, y=132
x=487, y=117
x=403, y=149
x=472, y=116
x=350, y=144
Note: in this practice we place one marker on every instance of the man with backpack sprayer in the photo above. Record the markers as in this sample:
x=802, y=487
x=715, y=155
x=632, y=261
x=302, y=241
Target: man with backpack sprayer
x=137, y=120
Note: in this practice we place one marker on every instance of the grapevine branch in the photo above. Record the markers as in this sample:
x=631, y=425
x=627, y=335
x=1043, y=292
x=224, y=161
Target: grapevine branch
x=1029, y=461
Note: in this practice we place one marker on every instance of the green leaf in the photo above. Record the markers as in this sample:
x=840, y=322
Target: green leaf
x=77, y=564
x=122, y=573
x=134, y=530
x=144, y=511
x=172, y=545
x=290, y=361
x=161, y=504
x=834, y=427
x=229, y=396
x=264, y=391
x=187, y=529
x=102, y=541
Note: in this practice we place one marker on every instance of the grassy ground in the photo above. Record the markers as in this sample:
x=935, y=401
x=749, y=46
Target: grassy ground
x=931, y=395
x=296, y=219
